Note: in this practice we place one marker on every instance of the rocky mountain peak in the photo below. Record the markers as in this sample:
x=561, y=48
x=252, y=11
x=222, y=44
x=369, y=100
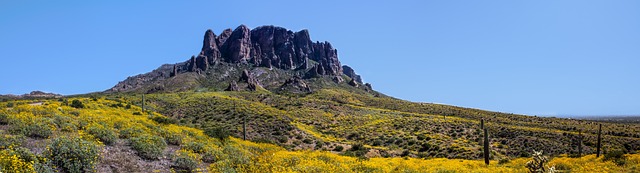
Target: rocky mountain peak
x=265, y=46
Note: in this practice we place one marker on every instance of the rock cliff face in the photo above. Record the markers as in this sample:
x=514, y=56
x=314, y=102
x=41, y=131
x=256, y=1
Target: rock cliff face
x=264, y=46
x=351, y=73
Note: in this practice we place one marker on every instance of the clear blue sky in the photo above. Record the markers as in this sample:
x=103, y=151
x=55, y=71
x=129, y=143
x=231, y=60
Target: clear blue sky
x=576, y=57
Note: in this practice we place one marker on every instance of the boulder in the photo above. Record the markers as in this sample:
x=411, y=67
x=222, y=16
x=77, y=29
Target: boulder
x=353, y=83
x=233, y=86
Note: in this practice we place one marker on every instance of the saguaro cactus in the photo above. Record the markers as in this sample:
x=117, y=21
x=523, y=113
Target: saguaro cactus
x=486, y=147
x=143, y=103
x=482, y=123
x=580, y=143
x=599, y=140
x=244, y=128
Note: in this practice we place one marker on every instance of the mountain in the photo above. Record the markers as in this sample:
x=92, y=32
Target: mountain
x=295, y=93
x=31, y=95
x=268, y=57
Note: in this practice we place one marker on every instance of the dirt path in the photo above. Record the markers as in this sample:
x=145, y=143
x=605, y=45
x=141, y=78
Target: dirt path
x=36, y=104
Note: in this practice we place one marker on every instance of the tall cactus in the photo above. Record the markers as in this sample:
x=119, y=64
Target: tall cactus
x=482, y=123
x=142, y=103
x=599, y=141
x=486, y=147
x=244, y=128
x=580, y=143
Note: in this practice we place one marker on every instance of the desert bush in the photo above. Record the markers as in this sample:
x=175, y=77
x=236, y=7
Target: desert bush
x=4, y=119
x=77, y=104
x=236, y=156
x=11, y=162
x=105, y=135
x=338, y=148
x=617, y=156
x=25, y=154
x=212, y=154
x=164, y=120
x=357, y=150
x=73, y=154
x=185, y=161
x=173, y=138
x=218, y=132
x=130, y=132
x=562, y=167
x=149, y=147
x=64, y=123
x=193, y=146
x=7, y=141
x=33, y=127
x=503, y=161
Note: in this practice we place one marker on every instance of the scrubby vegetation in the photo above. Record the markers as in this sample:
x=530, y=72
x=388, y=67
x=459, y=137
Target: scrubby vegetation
x=309, y=134
x=330, y=118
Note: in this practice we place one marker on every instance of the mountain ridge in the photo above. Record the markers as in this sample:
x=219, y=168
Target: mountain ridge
x=270, y=47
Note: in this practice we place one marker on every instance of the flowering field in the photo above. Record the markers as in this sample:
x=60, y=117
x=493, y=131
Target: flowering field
x=111, y=135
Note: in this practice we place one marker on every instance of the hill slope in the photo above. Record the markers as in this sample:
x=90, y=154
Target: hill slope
x=108, y=134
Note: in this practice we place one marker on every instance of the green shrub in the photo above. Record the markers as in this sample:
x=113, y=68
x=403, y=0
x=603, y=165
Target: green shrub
x=77, y=104
x=149, y=147
x=65, y=123
x=25, y=154
x=196, y=147
x=212, y=154
x=235, y=156
x=130, y=132
x=164, y=120
x=73, y=154
x=10, y=161
x=563, y=167
x=37, y=127
x=7, y=141
x=218, y=132
x=338, y=148
x=10, y=104
x=617, y=156
x=172, y=138
x=357, y=150
x=4, y=119
x=185, y=161
x=503, y=161
x=105, y=135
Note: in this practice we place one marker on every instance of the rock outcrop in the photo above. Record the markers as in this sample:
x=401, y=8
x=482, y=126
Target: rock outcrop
x=354, y=83
x=264, y=46
x=351, y=73
x=250, y=80
x=368, y=87
x=210, y=48
x=268, y=46
x=233, y=86
x=296, y=85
